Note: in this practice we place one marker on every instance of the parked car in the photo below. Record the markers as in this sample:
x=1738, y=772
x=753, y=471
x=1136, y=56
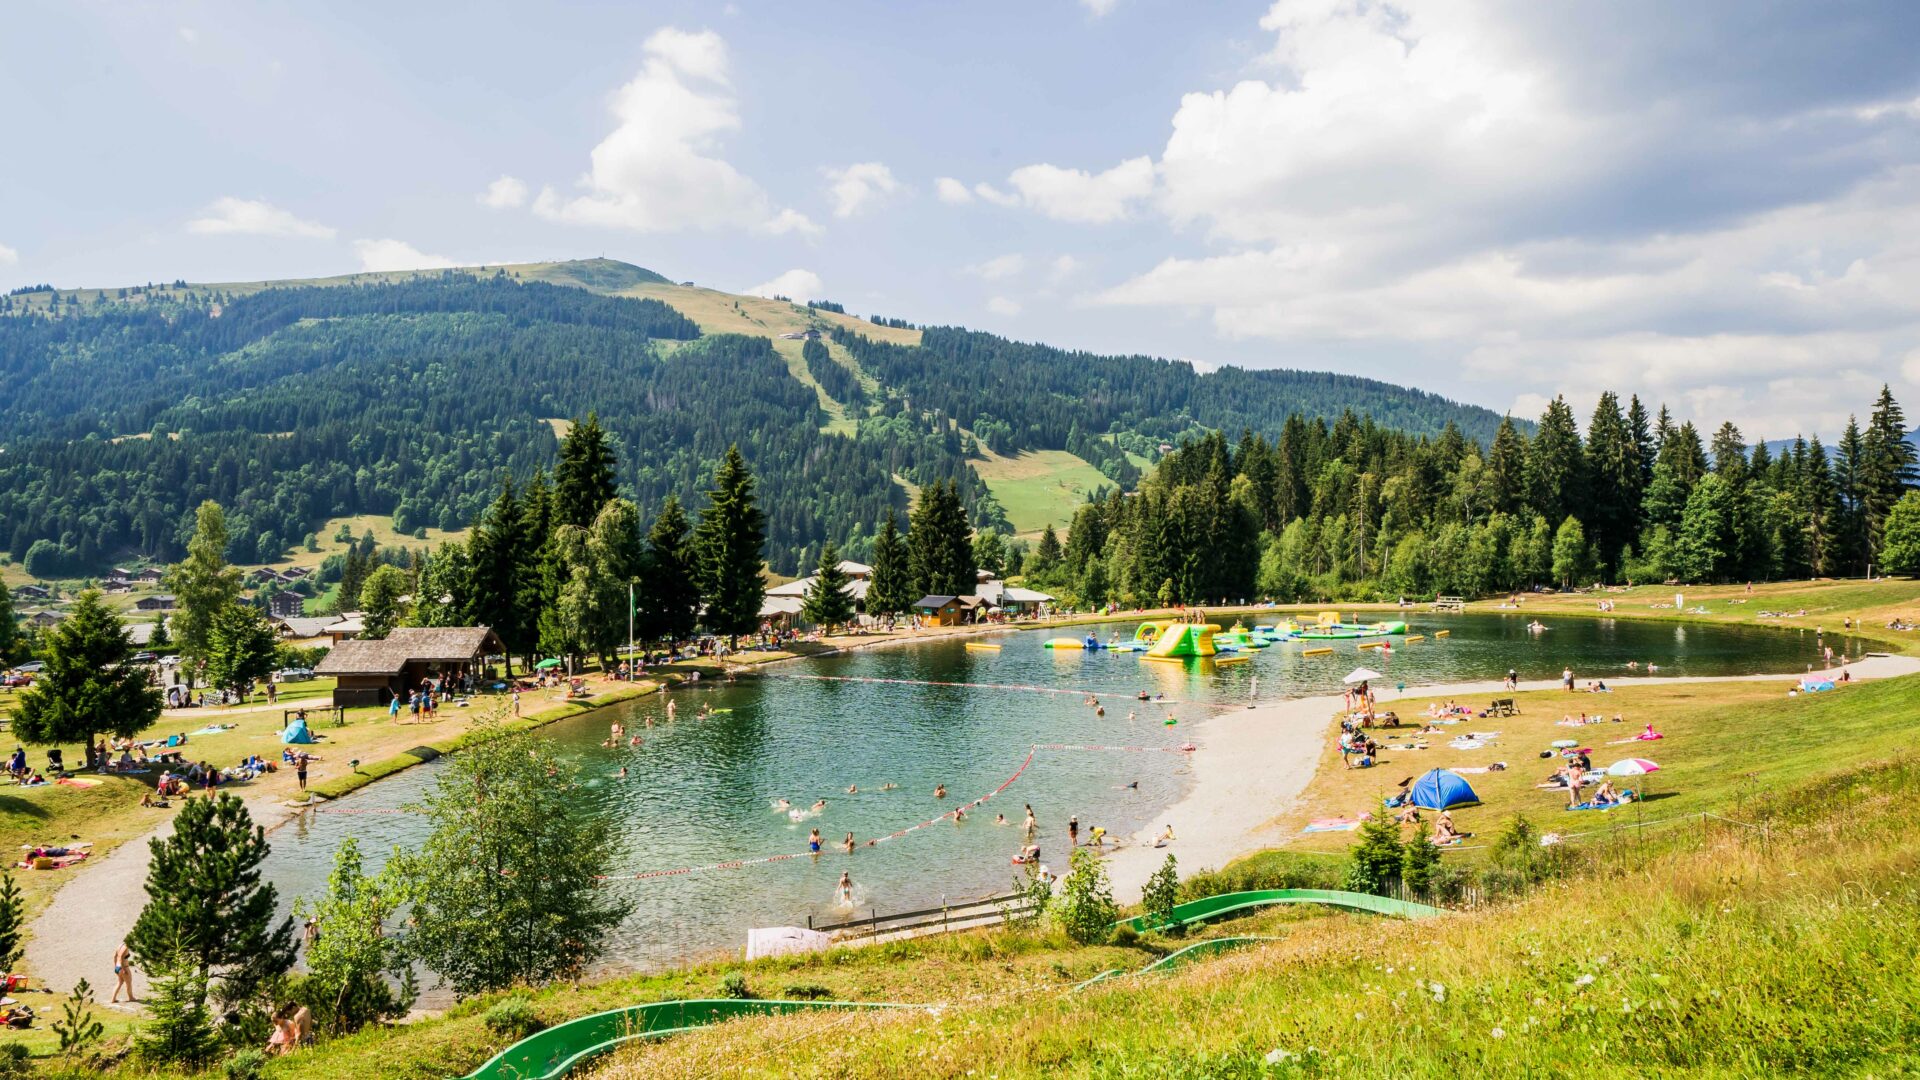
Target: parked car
x=17, y=680
x=293, y=674
x=170, y=661
x=33, y=668
x=145, y=657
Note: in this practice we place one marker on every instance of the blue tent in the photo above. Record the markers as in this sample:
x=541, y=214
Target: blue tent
x=1440, y=789
x=296, y=733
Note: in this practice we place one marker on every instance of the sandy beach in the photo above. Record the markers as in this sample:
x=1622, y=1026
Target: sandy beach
x=1252, y=764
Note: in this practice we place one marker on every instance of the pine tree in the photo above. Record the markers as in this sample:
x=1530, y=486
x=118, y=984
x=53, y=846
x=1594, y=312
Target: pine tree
x=90, y=684
x=1419, y=859
x=13, y=923
x=669, y=595
x=202, y=584
x=1046, y=554
x=1851, y=474
x=1612, y=508
x=731, y=538
x=240, y=649
x=207, y=909
x=1887, y=465
x=495, y=558
x=1374, y=863
x=1555, y=467
x=827, y=603
x=179, y=1026
x=890, y=589
x=1646, y=444
x=583, y=481
x=533, y=588
x=1507, y=468
x=160, y=640
x=9, y=628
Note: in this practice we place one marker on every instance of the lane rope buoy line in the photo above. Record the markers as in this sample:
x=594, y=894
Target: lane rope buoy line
x=1018, y=687
x=736, y=864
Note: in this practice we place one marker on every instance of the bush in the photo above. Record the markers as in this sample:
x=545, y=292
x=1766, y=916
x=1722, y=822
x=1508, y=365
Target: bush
x=1126, y=936
x=1266, y=870
x=1375, y=861
x=1160, y=894
x=1085, y=909
x=15, y=1061
x=246, y=1065
x=806, y=992
x=513, y=1018
x=734, y=985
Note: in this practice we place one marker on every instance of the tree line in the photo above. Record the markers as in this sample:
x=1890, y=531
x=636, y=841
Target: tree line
x=1354, y=511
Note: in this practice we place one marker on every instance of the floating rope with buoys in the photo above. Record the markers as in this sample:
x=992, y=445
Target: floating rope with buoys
x=1018, y=687
x=736, y=864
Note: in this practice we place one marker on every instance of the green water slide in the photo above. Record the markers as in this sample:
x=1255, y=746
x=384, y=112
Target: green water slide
x=1213, y=907
x=1199, y=950
x=560, y=1049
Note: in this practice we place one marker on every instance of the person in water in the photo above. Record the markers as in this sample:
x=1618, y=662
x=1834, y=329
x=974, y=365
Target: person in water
x=853, y=789
x=939, y=791
x=782, y=804
x=845, y=889
x=819, y=806
x=1032, y=825
x=848, y=843
x=1001, y=819
x=1073, y=830
x=813, y=841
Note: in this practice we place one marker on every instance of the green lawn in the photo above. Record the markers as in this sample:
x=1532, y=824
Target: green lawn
x=1040, y=487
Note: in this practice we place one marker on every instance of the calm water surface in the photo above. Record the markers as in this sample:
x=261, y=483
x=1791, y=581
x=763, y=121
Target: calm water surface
x=700, y=790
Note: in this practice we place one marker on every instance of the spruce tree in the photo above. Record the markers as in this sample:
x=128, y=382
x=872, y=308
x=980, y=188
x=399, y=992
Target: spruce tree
x=670, y=586
x=13, y=923
x=494, y=558
x=1886, y=465
x=90, y=684
x=179, y=1025
x=1612, y=510
x=9, y=628
x=202, y=584
x=890, y=589
x=1507, y=468
x=1556, y=469
x=1046, y=554
x=207, y=909
x=583, y=481
x=532, y=588
x=731, y=539
x=827, y=603
x=1374, y=863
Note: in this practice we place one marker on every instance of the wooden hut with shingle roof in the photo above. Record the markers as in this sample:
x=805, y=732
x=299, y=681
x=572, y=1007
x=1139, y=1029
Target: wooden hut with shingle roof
x=375, y=672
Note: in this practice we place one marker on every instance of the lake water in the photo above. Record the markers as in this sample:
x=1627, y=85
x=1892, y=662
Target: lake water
x=699, y=791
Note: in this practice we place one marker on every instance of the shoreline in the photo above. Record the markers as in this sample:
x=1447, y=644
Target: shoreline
x=1250, y=767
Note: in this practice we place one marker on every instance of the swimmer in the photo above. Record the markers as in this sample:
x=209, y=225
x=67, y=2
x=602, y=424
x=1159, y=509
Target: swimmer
x=671, y=709
x=1032, y=826
x=959, y=814
x=939, y=791
x=889, y=787
x=1135, y=786
x=634, y=741
x=706, y=709
x=1142, y=695
x=813, y=841
x=819, y=806
x=1001, y=819
x=623, y=772
x=848, y=843
x=853, y=789
x=782, y=804
x=845, y=888
x=1132, y=716
x=1099, y=710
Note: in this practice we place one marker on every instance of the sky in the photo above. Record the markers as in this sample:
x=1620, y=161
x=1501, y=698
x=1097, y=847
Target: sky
x=1715, y=205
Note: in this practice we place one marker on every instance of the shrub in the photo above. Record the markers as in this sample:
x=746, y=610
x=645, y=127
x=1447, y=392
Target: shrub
x=734, y=985
x=1375, y=861
x=1419, y=859
x=1160, y=894
x=1085, y=909
x=806, y=992
x=1033, y=895
x=1126, y=936
x=513, y=1018
x=1266, y=870
x=15, y=1061
x=246, y=1065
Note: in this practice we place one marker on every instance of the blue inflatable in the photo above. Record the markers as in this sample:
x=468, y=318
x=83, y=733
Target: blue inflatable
x=1439, y=789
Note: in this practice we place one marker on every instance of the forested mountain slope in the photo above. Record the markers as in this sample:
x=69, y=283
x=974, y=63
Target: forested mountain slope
x=412, y=394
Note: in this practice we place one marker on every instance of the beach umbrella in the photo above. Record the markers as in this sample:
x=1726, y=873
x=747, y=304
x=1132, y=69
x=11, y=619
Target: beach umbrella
x=545, y=664
x=1633, y=766
x=1562, y=744
x=1360, y=675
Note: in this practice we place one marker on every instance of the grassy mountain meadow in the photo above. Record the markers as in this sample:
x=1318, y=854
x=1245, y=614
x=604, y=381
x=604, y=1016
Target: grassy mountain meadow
x=409, y=395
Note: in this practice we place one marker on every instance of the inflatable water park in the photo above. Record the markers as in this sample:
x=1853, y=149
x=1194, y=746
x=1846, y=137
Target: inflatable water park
x=1184, y=640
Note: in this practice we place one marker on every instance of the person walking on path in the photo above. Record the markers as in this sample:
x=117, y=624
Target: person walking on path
x=122, y=973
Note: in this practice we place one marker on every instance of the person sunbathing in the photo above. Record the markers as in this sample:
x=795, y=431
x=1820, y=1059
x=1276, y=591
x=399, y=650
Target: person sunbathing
x=1443, y=830
x=1604, y=795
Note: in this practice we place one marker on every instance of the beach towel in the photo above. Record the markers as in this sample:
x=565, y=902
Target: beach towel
x=79, y=781
x=214, y=729
x=56, y=862
x=1332, y=825
x=1474, y=770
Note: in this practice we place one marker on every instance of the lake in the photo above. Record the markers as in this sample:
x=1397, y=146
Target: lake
x=700, y=791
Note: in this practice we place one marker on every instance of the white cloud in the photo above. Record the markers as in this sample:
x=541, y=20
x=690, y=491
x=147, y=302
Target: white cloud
x=999, y=267
x=390, y=254
x=1063, y=267
x=995, y=196
x=796, y=284
x=660, y=168
x=254, y=217
x=790, y=220
x=1001, y=305
x=952, y=191
x=1079, y=196
x=1100, y=8
x=8, y=255
x=506, y=193
x=189, y=35
x=859, y=185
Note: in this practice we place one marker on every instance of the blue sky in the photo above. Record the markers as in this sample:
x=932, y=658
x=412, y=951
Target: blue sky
x=1716, y=204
